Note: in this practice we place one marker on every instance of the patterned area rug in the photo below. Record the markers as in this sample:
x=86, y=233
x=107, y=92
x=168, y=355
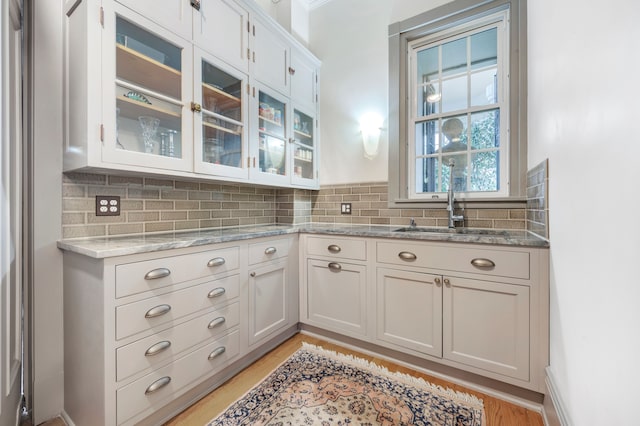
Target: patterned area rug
x=319, y=387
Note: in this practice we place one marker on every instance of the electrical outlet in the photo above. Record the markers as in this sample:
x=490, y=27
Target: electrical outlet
x=107, y=205
x=345, y=208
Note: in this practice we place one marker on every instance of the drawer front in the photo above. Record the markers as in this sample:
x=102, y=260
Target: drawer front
x=340, y=248
x=268, y=250
x=154, y=390
x=146, y=314
x=495, y=262
x=133, y=278
x=152, y=351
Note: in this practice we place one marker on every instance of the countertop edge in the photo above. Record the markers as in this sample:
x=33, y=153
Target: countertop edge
x=105, y=247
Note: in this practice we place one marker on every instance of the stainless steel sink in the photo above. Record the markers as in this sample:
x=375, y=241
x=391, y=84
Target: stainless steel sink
x=465, y=231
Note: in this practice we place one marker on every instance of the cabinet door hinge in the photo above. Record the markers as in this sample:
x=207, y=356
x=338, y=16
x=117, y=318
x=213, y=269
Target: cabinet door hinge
x=101, y=133
x=248, y=26
x=248, y=162
x=254, y=30
x=248, y=90
x=248, y=54
x=102, y=16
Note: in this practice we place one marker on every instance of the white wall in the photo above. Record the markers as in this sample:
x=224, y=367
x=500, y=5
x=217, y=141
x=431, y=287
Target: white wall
x=583, y=115
x=351, y=39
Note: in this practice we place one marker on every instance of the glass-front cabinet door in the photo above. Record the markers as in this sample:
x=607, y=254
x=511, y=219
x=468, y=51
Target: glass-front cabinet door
x=303, y=149
x=270, y=159
x=220, y=125
x=149, y=96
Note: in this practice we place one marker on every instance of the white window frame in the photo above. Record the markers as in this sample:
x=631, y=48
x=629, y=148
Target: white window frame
x=500, y=21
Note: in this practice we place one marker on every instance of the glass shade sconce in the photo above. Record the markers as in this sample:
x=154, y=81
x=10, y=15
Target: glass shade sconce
x=370, y=128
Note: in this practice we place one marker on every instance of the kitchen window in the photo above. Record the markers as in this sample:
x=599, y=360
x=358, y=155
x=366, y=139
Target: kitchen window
x=457, y=79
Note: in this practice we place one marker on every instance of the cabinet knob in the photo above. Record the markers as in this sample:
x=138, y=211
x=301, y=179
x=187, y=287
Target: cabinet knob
x=157, y=348
x=195, y=4
x=196, y=107
x=437, y=280
x=253, y=274
x=216, y=292
x=270, y=250
x=157, y=273
x=333, y=248
x=407, y=255
x=292, y=71
x=157, y=311
x=216, y=322
x=447, y=282
x=218, y=261
x=483, y=263
x=157, y=385
x=335, y=266
x=217, y=352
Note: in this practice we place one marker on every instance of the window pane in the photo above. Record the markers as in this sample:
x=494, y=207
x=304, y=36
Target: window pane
x=484, y=90
x=485, y=175
x=455, y=134
x=484, y=49
x=429, y=95
x=427, y=174
x=454, y=57
x=428, y=64
x=454, y=94
x=427, y=137
x=459, y=172
x=485, y=129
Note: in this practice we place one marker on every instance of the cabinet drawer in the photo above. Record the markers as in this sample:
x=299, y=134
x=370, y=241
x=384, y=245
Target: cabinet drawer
x=268, y=250
x=132, y=278
x=340, y=248
x=174, y=379
x=138, y=316
x=152, y=351
x=504, y=263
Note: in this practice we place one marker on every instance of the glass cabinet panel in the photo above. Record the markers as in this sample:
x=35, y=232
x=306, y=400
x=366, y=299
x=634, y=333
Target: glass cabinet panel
x=222, y=121
x=303, y=149
x=272, y=153
x=148, y=92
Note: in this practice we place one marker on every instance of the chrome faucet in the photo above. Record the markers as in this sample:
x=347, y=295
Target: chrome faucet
x=451, y=199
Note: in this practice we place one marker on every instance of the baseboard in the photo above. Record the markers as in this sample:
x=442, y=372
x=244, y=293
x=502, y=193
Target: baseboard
x=554, y=412
x=67, y=419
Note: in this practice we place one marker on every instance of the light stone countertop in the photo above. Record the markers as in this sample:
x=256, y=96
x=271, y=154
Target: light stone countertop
x=103, y=247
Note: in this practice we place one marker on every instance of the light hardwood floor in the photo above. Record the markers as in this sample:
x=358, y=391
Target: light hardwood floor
x=498, y=412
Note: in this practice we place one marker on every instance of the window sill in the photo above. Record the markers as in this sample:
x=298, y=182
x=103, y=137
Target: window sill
x=472, y=203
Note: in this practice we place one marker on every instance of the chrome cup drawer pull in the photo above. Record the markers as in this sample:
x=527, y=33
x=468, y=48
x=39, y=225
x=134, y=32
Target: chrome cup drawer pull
x=157, y=385
x=157, y=311
x=407, y=255
x=335, y=266
x=157, y=348
x=217, y=261
x=483, y=263
x=333, y=248
x=270, y=250
x=216, y=322
x=157, y=273
x=216, y=292
x=217, y=352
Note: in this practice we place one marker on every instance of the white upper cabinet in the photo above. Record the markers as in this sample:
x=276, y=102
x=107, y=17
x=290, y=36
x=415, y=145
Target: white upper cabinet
x=270, y=57
x=304, y=79
x=174, y=15
x=188, y=89
x=221, y=28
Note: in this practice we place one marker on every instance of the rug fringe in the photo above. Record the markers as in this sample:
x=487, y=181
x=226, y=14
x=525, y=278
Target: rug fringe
x=406, y=378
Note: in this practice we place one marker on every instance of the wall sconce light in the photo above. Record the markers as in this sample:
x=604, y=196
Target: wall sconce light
x=370, y=127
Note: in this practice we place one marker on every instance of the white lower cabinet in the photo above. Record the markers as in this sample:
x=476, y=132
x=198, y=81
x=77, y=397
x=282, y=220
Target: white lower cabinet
x=336, y=296
x=409, y=310
x=143, y=330
x=479, y=308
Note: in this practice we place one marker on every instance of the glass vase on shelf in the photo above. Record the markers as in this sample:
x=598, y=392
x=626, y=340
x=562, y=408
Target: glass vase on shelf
x=149, y=127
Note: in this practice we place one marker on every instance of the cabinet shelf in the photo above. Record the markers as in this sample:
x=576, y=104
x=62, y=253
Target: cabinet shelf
x=303, y=159
x=132, y=108
x=224, y=101
x=306, y=135
x=157, y=76
x=275, y=123
x=217, y=127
